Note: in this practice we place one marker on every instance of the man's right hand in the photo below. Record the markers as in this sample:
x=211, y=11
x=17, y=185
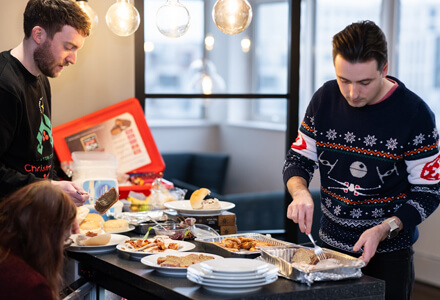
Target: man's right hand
x=301, y=208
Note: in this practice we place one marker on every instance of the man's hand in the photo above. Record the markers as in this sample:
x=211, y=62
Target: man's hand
x=74, y=190
x=370, y=239
x=75, y=227
x=301, y=208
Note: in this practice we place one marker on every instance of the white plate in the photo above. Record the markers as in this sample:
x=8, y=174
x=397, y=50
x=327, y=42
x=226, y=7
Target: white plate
x=230, y=278
x=115, y=239
x=184, y=207
x=185, y=246
x=130, y=228
x=151, y=261
x=224, y=288
x=232, y=266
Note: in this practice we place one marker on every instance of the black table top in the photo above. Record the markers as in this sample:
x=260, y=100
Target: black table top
x=131, y=279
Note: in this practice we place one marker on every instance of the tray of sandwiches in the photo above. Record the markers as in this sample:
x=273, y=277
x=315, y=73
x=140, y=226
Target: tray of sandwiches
x=301, y=264
x=245, y=245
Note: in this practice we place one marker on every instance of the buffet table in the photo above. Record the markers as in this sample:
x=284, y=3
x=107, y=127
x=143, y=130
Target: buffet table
x=132, y=280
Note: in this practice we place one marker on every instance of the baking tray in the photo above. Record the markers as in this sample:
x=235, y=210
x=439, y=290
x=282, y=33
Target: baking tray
x=281, y=257
x=208, y=245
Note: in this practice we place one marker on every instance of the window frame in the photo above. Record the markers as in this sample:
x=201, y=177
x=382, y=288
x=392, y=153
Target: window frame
x=140, y=67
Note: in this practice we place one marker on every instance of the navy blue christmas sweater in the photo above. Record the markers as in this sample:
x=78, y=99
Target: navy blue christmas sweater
x=374, y=162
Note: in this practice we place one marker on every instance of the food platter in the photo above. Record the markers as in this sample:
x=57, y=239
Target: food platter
x=151, y=261
x=184, y=207
x=210, y=244
x=115, y=239
x=137, y=255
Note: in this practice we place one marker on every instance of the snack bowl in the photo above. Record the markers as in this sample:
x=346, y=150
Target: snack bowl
x=173, y=230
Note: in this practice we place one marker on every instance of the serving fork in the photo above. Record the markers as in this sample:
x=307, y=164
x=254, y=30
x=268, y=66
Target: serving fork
x=318, y=250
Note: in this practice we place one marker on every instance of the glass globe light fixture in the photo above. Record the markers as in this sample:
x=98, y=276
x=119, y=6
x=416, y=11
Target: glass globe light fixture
x=173, y=19
x=122, y=18
x=203, y=78
x=232, y=16
x=84, y=4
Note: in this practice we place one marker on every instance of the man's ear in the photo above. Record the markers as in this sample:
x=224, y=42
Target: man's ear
x=39, y=35
x=385, y=70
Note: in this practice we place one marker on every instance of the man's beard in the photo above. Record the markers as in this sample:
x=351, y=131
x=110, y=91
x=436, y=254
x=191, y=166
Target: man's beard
x=45, y=61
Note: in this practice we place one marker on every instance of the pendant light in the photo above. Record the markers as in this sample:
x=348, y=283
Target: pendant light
x=84, y=4
x=122, y=18
x=232, y=16
x=173, y=19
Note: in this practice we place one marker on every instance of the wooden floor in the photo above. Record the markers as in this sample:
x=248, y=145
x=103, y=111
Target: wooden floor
x=422, y=291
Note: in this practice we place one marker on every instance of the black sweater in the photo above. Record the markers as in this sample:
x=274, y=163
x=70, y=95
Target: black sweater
x=26, y=144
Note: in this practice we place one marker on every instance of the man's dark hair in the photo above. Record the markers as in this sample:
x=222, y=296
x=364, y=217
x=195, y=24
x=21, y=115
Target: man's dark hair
x=361, y=42
x=53, y=15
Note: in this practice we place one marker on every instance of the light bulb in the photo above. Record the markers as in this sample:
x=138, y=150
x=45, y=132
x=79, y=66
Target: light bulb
x=245, y=45
x=84, y=4
x=203, y=78
x=173, y=19
x=209, y=42
x=122, y=18
x=232, y=16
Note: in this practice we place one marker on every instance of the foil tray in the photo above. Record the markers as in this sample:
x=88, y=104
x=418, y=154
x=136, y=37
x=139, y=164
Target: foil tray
x=136, y=218
x=209, y=246
x=281, y=257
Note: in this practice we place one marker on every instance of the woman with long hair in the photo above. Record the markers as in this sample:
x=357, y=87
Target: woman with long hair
x=35, y=221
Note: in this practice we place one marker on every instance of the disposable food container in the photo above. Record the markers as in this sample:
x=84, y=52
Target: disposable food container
x=209, y=244
x=350, y=267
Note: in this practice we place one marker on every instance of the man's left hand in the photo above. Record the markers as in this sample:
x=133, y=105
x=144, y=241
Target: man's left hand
x=370, y=239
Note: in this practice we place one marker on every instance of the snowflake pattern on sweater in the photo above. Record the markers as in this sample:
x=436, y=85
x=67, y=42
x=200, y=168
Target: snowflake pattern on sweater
x=376, y=161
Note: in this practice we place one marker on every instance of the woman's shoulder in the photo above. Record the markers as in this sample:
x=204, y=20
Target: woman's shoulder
x=18, y=280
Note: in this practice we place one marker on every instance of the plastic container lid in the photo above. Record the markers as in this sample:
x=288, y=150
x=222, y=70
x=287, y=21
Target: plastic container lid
x=94, y=158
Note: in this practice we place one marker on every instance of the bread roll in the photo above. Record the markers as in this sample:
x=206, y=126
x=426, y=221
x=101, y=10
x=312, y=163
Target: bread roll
x=95, y=217
x=116, y=225
x=81, y=213
x=197, y=197
x=305, y=256
x=99, y=240
x=92, y=226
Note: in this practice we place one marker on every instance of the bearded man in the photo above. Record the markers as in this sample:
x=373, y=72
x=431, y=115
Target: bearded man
x=54, y=32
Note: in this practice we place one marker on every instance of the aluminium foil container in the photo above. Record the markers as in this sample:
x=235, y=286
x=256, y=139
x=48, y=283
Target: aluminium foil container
x=348, y=266
x=209, y=246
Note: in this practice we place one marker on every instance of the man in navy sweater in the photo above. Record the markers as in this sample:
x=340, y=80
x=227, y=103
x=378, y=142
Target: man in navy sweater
x=376, y=145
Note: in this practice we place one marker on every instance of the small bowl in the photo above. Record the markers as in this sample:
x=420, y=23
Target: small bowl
x=173, y=230
x=202, y=231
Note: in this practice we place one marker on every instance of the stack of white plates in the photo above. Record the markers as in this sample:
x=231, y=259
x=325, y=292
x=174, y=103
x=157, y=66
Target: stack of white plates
x=233, y=275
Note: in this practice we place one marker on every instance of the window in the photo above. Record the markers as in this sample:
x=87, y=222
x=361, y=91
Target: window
x=252, y=62
x=271, y=59
x=412, y=28
x=419, y=50
x=170, y=62
x=326, y=18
